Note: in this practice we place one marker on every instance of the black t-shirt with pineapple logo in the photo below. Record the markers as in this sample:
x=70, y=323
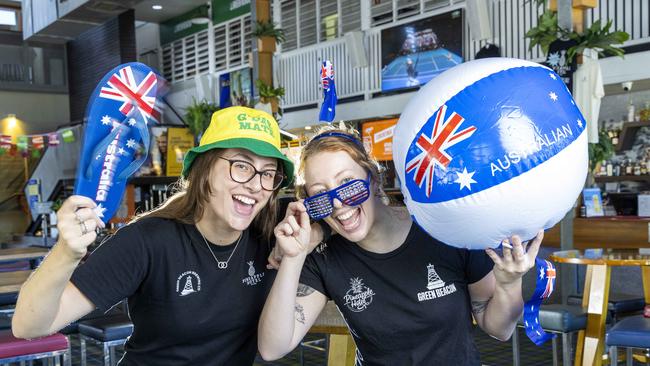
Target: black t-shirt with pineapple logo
x=184, y=309
x=410, y=306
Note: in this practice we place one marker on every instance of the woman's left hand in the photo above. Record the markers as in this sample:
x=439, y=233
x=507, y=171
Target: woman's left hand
x=516, y=261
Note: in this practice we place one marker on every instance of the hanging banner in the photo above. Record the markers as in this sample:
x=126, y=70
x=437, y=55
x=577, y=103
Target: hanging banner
x=53, y=139
x=378, y=138
x=224, y=10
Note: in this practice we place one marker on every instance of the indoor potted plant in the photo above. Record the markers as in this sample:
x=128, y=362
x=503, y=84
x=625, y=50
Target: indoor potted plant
x=597, y=37
x=598, y=152
x=267, y=36
x=269, y=94
x=198, y=115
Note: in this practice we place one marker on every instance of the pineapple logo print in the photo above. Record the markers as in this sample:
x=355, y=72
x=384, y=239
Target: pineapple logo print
x=359, y=296
x=251, y=269
x=253, y=278
x=433, y=280
x=190, y=281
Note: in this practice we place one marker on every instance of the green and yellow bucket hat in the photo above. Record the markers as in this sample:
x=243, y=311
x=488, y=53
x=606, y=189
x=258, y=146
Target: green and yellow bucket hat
x=242, y=128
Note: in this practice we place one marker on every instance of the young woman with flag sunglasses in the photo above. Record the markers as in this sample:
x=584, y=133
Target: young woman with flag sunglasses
x=406, y=297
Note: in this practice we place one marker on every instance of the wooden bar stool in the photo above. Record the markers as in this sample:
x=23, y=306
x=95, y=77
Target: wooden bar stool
x=340, y=345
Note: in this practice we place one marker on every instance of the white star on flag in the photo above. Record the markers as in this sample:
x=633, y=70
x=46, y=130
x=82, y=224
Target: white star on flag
x=552, y=75
x=121, y=151
x=131, y=144
x=98, y=156
x=132, y=121
x=465, y=179
x=106, y=120
x=541, y=273
x=99, y=210
x=580, y=123
x=553, y=96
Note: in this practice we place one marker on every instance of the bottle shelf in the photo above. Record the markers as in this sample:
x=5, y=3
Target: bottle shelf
x=621, y=178
x=628, y=134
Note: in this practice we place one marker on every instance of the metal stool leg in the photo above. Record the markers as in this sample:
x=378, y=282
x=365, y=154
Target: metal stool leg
x=556, y=362
x=67, y=357
x=106, y=354
x=515, y=347
x=113, y=358
x=629, y=358
x=82, y=346
x=613, y=355
x=566, y=349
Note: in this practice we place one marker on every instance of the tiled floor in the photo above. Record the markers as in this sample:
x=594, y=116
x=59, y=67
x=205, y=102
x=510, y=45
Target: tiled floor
x=493, y=353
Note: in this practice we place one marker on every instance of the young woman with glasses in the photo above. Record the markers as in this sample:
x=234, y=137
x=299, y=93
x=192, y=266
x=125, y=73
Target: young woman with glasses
x=193, y=270
x=407, y=298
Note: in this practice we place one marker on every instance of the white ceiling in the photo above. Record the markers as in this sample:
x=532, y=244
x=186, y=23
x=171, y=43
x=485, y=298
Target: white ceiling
x=171, y=8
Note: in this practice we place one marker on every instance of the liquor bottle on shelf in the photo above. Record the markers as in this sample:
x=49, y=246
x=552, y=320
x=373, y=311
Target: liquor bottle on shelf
x=609, y=168
x=617, y=169
x=644, y=114
x=630, y=112
x=603, y=169
x=613, y=133
x=644, y=167
x=637, y=168
x=628, y=168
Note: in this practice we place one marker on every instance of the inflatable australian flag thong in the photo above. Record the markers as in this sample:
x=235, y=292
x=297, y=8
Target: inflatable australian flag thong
x=543, y=289
x=116, y=139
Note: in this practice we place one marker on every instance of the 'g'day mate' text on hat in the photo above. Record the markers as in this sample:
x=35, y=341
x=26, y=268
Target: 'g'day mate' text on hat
x=242, y=128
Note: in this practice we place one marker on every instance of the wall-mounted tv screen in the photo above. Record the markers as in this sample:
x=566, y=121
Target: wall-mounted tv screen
x=413, y=53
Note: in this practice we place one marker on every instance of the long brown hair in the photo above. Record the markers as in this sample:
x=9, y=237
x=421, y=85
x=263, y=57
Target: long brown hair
x=352, y=146
x=192, y=195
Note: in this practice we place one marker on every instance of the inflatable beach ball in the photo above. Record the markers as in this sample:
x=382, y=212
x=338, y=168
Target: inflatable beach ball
x=489, y=149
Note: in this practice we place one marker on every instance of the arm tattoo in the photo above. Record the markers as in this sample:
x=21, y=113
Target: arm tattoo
x=480, y=306
x=304, y=290
x=300, y=313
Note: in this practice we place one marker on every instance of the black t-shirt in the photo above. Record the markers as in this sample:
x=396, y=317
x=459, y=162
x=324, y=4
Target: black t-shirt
x=185, y=310
x=407, y=307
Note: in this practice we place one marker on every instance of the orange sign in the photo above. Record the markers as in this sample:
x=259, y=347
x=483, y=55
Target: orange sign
x=378, y=138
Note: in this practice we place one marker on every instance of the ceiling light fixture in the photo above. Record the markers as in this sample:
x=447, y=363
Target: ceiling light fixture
x=156, y=7
x=11, y=120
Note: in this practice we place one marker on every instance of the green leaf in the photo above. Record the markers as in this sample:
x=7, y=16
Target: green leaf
x=268, y=29
x=545, y=32
x=268, y=91
x=198, y=115
x=600, y=151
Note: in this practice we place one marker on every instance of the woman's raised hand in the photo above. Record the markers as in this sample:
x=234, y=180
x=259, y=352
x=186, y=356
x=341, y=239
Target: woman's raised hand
x=76, y=222
x=293, y=233
x=516, y=259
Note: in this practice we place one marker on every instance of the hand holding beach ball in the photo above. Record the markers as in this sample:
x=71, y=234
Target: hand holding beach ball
x=489, y=149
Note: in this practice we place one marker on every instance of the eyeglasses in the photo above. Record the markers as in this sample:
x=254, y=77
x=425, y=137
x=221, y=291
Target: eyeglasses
x=243, y=171
x=352, y=193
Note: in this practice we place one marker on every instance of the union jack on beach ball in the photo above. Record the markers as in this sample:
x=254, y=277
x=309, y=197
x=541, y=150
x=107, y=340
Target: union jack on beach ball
x=489, y=149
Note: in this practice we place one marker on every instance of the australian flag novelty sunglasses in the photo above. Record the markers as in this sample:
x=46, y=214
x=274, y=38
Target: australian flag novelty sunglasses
x=352, y=193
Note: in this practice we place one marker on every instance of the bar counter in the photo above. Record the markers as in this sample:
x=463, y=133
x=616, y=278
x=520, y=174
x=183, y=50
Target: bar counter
x=604, y=232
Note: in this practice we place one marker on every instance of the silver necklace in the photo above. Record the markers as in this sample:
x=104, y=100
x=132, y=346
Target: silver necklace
x=220, y=264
